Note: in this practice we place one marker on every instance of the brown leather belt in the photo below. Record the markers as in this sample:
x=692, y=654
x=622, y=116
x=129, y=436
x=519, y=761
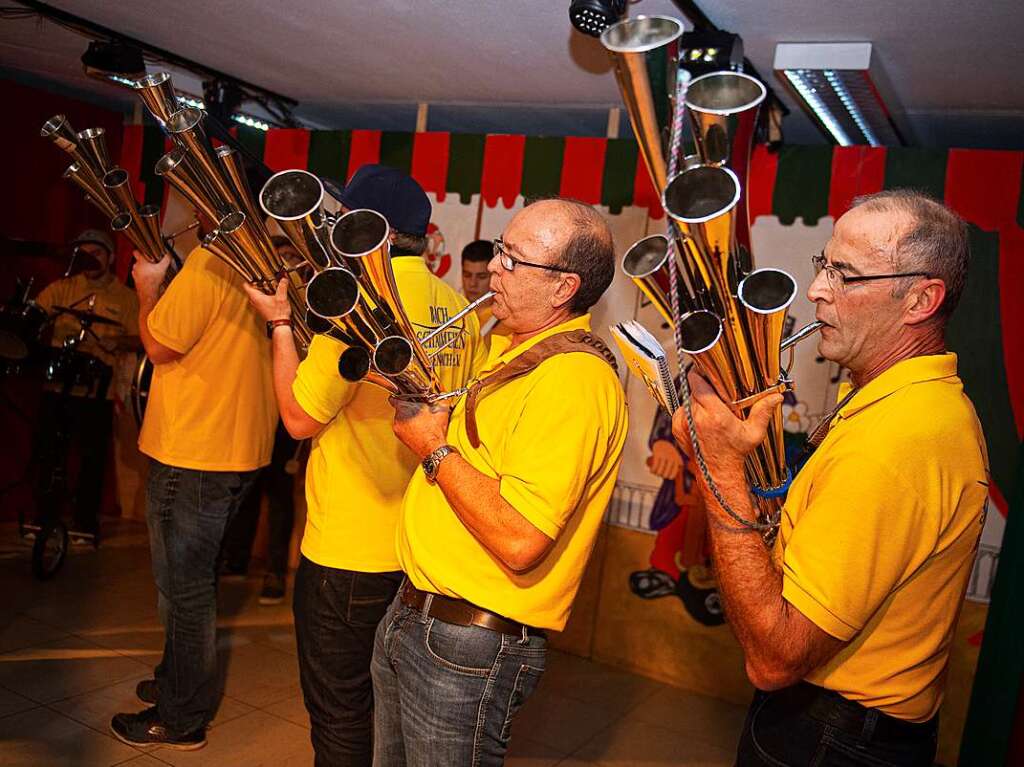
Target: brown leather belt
x=461, y=612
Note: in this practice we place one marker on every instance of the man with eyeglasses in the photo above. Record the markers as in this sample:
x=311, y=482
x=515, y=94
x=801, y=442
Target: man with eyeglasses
x=847, y=623
x=496, y=530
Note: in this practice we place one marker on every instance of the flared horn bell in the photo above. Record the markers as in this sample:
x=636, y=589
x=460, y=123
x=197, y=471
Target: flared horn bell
x=157, y=92
x=86, y=180
x=92, y=143
x=722, y=109
x=186, y=129
x=60, y=132
x=645, y=54
x=765, y=296
x=174, y=167
x=294, y=199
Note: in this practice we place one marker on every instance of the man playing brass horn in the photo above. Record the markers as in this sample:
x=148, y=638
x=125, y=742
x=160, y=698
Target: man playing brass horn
x=497, y=527
x=356, y=476
x=847, y=623
x=209, y=428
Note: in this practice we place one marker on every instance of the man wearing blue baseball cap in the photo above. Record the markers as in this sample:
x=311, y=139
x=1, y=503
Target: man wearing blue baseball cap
x=357, y=475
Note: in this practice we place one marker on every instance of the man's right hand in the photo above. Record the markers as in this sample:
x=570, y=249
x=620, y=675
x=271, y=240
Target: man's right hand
x=665, y=461
x=148, y=276
x=272, y=307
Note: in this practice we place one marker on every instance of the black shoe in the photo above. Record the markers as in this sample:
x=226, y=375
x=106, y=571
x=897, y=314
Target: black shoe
x=273, y=589
x=230, y=573
x=146, y=729
x=147, y=691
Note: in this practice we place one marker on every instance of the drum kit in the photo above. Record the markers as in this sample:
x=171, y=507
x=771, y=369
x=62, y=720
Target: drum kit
x=70, y=371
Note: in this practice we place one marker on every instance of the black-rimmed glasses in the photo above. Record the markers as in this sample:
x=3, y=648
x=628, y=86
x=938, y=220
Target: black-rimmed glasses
x=510, y=262
x=838, y=280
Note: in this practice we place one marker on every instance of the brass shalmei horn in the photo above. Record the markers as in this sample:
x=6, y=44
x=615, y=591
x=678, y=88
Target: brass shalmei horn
x=157, y=93
x=645, y=54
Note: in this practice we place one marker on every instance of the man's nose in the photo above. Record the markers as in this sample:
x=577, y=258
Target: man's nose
x=819, y=289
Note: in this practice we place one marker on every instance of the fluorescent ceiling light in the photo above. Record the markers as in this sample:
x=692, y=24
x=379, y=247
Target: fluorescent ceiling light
x=834, y=83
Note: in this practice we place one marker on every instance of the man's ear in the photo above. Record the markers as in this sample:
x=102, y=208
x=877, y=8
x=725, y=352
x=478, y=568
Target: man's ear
x=568, y=286
x=924, y=302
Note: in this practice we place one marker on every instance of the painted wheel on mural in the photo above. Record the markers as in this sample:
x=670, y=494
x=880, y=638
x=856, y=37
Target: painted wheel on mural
x=702, y=602
x=49, y=550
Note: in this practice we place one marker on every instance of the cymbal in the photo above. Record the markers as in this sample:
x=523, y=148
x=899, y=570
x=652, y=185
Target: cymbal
x=90, y=317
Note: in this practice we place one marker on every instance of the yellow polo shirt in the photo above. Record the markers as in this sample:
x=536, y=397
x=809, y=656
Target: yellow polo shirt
x=213, y=409
x=358, y=469
x=113, y=301
x=553, y=438
x=879, y=533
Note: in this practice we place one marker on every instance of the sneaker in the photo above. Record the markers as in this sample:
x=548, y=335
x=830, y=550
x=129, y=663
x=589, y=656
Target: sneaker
x=147, y=691
x=79, y=538
x=146, y=729
x=273, y=589
x=231, y=573
x=28, y=532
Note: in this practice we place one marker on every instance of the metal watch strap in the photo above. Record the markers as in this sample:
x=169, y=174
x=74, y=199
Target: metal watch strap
x=432, y=463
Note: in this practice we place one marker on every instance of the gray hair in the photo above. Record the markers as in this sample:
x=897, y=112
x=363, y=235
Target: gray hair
x=935, y=242
x=589, y=252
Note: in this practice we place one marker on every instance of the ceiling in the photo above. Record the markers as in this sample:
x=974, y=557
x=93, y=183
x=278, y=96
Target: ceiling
x=953, y=68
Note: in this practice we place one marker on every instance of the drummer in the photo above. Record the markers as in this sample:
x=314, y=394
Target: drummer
x=95, y=308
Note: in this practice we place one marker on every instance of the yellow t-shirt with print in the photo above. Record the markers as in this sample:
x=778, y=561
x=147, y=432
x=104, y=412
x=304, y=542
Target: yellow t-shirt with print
x=553, y=438
x=358, y=470
x=114, y=301
x=879, y=532
x=213, y=409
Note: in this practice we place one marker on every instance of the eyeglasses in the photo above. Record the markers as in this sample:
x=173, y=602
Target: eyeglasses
x=510, y=262
x=837, y=280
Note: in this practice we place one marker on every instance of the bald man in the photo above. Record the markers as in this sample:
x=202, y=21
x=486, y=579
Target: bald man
x=496, y=529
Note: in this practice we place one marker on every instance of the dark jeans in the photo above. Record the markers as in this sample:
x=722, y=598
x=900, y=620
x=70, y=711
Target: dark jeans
x=85, y=424
x=807, y=725
x=279, y=486
x=446, y=694
x=187, y=511
x=336, y=615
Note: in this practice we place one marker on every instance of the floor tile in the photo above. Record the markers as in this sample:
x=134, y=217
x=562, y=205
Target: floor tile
x=22, y=631
x=259, y=675
x=12, y=703
x=143, y=760
x=627, y=744
x=292, y=709
x=698, y=716
x=62, y=669
x=524, y=752
x=44, y=737
x=254, y=740
x=564, y=724
x=96, y=707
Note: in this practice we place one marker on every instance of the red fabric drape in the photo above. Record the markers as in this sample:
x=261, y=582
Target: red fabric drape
x=583, y=169
x=430, y=162
x=286, y=148
x=365, y=149
x=764, y=166
x=502, y=176
x=644, y=194
x=856, y=170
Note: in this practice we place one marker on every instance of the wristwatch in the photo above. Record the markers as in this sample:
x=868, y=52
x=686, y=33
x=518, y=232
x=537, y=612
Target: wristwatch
x=432, y=462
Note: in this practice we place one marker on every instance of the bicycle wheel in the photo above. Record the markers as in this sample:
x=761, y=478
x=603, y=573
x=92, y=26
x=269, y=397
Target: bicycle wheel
x=49, y=550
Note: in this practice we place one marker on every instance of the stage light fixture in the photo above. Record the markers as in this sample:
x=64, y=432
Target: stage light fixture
x=835, y=84
x=113, y=61
x=592, y=17
x=707, y=51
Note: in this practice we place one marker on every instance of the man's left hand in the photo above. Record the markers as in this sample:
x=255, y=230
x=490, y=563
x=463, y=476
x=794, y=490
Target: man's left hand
x=149, y=276
x=420, y=426
x=725, y=440
x=270, y=307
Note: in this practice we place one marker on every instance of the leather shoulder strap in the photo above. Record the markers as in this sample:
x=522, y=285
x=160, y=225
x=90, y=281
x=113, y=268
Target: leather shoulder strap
x=560, y=343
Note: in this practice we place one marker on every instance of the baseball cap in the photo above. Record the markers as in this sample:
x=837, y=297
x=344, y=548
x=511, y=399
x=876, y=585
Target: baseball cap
x=393, y=194
x=96, y=237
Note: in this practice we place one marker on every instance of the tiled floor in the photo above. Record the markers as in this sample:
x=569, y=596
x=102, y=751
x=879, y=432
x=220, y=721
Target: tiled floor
x=72, y=649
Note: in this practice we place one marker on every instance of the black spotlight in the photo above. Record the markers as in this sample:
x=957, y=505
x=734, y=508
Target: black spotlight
x=113, y=60
x=592, y=17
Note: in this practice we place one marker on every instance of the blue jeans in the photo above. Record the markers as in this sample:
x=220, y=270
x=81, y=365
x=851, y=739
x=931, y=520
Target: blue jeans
x=803, y=726
x=336, y=616
x=187, y=511
x=445, y=695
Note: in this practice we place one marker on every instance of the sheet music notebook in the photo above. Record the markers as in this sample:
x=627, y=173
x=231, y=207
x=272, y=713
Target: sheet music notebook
x=646, y=359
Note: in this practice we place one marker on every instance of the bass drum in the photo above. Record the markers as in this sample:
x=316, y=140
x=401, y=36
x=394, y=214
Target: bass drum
x=141, y=380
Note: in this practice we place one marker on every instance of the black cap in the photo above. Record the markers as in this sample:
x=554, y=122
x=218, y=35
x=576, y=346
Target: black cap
x=393, y=194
